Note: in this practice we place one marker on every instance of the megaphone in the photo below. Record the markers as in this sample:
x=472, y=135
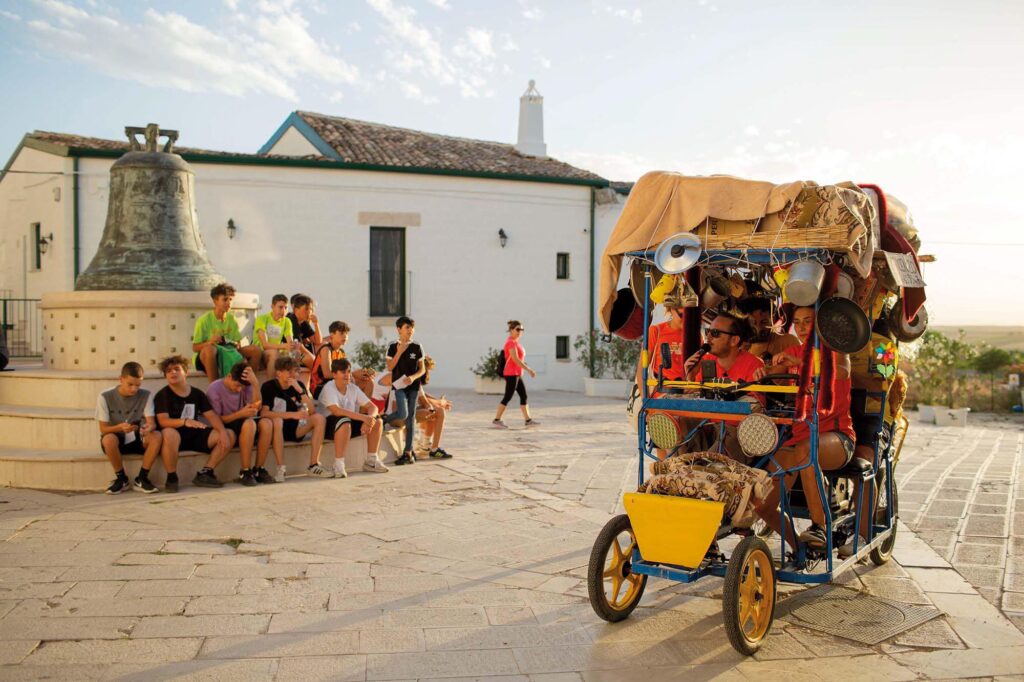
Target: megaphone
x=678, y=254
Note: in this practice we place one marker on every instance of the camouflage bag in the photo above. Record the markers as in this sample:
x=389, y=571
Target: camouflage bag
x=711, y=476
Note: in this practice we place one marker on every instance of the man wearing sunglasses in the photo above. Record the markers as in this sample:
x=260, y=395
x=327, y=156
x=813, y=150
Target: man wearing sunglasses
x=726, y=337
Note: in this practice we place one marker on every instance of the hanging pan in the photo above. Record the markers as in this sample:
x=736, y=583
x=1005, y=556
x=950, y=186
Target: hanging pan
x=903, y=329
x=627, y=318
x=842, y=325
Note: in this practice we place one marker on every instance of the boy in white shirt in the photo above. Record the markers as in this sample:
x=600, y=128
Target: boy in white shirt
x=350, y=414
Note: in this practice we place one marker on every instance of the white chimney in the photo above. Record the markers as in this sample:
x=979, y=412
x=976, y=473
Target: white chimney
x=531, y=124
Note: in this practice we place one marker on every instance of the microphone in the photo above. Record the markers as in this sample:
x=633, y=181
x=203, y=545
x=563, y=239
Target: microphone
x=704, y=348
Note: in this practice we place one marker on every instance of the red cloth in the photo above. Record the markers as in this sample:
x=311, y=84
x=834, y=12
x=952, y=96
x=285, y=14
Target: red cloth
x=742, y=369
x=513, y=347
x=664, y=333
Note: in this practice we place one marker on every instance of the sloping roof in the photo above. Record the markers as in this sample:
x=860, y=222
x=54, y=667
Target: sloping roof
x=362, y=142
x=356, y=145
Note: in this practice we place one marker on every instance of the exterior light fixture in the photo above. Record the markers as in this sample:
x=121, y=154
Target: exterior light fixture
x=44, y=243
x=502, y=237
x=231, y=229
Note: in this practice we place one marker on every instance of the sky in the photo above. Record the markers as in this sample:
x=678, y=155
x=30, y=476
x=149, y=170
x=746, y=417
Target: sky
x=922, y=98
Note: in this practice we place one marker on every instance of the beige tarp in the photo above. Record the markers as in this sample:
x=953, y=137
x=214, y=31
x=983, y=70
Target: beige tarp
x=662, y=204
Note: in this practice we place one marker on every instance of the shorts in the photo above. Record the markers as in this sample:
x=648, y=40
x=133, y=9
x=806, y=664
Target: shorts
x=290, y=428
x=848, y=446
x=236, y=425
x=866, y=426
x=335, y=422
x=134, y=448
x=195, y=440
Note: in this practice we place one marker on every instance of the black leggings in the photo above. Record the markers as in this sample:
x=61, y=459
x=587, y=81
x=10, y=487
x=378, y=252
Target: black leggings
x=514, y=385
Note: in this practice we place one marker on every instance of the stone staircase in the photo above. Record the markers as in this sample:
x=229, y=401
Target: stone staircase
x=49, y=438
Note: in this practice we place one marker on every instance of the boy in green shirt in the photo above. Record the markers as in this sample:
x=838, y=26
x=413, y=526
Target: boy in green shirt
x=219, y=327
x=274, y=334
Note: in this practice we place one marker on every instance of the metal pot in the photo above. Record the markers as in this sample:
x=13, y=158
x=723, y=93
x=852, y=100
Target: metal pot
x=844, y=285
x=907, y=330
x=842, y=325
x=716, y=289
x=803, y=285
x=627, y=318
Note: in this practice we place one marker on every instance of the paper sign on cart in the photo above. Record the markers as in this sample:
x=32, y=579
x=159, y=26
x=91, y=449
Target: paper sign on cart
x=904, y=270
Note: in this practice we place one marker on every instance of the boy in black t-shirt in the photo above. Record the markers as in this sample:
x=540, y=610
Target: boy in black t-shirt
x=178, y=407
x=306, y=328
x=405, y=362
x=290, y=407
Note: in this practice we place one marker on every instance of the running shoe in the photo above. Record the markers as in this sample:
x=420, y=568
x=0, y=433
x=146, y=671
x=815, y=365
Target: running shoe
x=143, y=484
x=119, y=485
x=317, y=470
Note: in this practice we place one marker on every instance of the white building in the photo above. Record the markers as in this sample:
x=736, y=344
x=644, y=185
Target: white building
x=372, y=221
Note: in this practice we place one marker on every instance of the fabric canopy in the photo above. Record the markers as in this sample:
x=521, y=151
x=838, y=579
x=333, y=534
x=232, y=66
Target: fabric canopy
x=662, y=204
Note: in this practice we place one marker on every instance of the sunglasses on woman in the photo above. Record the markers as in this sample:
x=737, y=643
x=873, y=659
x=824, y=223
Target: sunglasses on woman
x=715, y=333
x=518, y=329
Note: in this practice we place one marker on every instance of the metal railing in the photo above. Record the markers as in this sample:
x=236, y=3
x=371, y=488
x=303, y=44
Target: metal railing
x=390, y=293
x=21, y=327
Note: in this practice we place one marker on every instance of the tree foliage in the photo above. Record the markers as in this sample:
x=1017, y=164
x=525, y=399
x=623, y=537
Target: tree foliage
x=936, y=363
x=613, y=357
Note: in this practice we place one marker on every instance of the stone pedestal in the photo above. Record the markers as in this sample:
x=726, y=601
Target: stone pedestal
x=101, y=330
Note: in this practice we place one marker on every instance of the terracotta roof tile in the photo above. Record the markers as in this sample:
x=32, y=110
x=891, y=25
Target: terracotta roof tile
x=101, y=144
x=375, y=144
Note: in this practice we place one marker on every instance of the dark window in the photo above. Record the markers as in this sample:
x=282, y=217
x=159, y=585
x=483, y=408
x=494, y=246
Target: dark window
x=562, y=266
x=387, y=271
x=37, y=233
x=561, y=348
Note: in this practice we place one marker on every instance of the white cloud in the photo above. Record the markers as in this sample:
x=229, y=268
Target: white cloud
x=751, y=131
x=507, y=44
x=414, y=92
x=544, y=62
x=336, y=97
x=440, y=4
x=406, y=34
x=9, y=15
x=634, y=15
x=531, y=12
x=267, y=50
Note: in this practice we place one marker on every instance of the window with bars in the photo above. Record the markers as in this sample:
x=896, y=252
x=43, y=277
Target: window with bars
x=562, y=266
x=387, y=271
x=561, y=348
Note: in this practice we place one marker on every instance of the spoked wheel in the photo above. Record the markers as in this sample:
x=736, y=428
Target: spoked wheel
x=881, y=554
x=614, y=589
x=748, y=602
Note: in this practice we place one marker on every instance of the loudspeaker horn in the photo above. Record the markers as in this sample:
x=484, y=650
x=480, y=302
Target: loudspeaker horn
x=678, y=254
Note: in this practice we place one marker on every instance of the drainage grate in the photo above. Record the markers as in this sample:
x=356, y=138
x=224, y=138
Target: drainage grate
x=854, y=615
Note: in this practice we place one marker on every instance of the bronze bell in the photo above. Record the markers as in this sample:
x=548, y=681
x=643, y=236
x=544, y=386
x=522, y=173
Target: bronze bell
x=151, y=240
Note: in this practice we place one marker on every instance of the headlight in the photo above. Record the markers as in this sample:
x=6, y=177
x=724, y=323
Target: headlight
x=663, y=430
x=758, y=435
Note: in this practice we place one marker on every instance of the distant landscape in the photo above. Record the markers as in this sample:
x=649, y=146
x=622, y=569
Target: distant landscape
x=1005, y=337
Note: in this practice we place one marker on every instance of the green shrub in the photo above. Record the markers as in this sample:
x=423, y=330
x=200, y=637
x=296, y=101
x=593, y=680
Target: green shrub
x=613, y=357
x=487, y=367
x=370, y=355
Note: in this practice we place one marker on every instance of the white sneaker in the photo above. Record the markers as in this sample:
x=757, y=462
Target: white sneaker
x=279, y=477
x=373, y=464
x=317, y=470
x=846, y=551
x=498, y=424
x=339, y=469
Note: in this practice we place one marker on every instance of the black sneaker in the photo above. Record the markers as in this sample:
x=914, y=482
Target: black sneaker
x=263, y=476
x=406, y=458
x=171, y=486
x=246, y=478
x=144, y=485
x=207, y=479
x=439, y=454
x=119, y=485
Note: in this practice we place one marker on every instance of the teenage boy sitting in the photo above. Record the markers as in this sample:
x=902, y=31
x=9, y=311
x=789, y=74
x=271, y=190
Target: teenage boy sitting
x=231, y=398
x=219, y=328
x=351, y=414
x=334, y=349
x=290, y=407
x=431, y=412
x=306, y=326
x=178, y=407
x=125, y=414
x=274, y=334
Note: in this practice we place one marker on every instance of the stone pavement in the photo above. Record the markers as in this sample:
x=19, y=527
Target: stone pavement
x=470, y=568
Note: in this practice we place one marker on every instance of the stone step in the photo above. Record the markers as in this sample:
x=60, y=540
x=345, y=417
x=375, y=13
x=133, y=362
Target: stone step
x=70, y=388
x=80, y=470
x=57, y=428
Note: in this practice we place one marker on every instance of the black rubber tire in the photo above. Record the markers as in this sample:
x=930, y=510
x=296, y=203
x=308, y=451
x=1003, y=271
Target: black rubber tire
x=880, y=555
x=731, y=594
x=595, y=572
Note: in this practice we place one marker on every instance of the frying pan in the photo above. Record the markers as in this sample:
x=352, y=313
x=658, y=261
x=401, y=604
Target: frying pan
x=842, y=325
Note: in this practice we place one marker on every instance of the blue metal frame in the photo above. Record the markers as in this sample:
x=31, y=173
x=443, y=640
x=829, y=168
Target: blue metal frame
x=790, y=571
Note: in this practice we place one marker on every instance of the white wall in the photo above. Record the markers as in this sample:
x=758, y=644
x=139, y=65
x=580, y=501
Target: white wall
x=299, y=230
x=40, y=193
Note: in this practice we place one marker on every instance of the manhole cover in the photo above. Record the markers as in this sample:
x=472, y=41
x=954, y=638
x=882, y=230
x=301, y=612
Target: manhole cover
x=853, y=615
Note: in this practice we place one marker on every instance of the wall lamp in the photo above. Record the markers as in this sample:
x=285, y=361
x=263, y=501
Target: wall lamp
x=44, y=242
x=231, y=228
x=502, y=237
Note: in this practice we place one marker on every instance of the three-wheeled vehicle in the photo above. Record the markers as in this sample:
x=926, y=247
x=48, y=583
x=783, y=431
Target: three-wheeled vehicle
x=800, y=243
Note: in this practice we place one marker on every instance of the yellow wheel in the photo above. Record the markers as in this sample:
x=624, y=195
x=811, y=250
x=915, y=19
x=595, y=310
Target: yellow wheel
x=614, y=589
x=748, y=602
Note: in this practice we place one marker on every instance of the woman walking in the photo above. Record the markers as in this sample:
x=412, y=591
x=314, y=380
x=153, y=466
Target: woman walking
x=513, y=373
